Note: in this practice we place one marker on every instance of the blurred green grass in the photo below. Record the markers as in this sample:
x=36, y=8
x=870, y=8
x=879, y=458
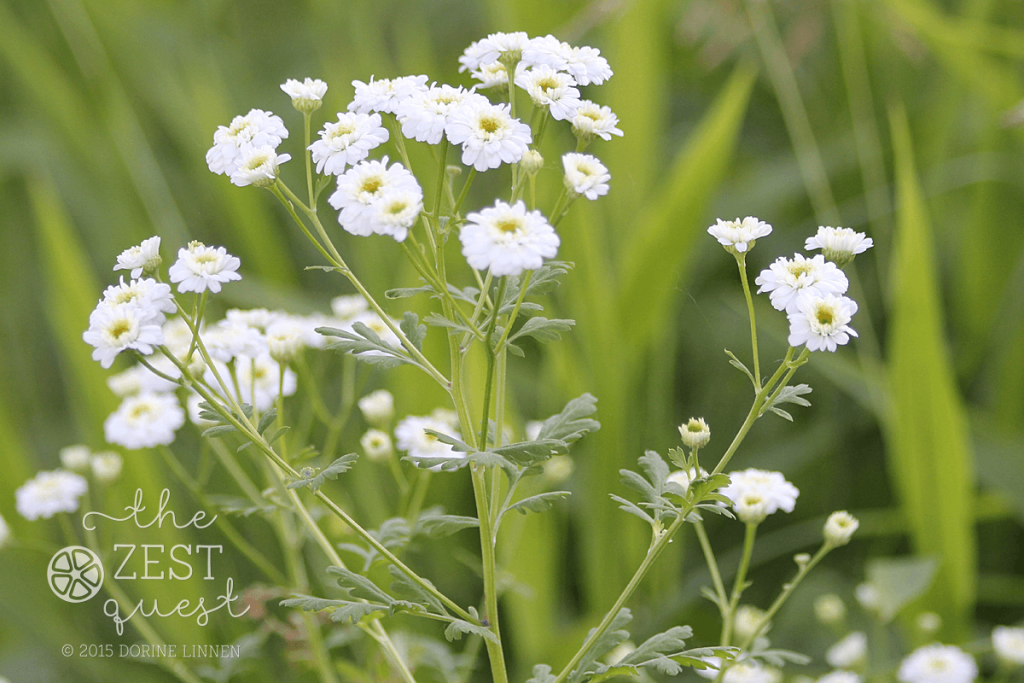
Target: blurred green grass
x=109, y=106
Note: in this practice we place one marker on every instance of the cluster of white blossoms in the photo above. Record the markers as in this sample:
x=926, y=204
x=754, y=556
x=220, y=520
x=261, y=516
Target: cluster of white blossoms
x=48, y=493
x=374, y=198
x=105, y=466
x=758, y=493
x=809, y=290
x=938, y=664
x=245, y=150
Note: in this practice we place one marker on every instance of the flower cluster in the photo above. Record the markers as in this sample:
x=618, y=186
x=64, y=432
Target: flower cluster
x=245, y=150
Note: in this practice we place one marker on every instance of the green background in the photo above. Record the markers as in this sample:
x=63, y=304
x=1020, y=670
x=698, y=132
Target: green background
x=900, y=119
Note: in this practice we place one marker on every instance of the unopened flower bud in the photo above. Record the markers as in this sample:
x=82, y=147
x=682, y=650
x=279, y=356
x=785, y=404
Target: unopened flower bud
x=377, y=445
x=378, y=408
x=532, y=162
x=839, y=245
x=829, y=609
x=106, y=466
x=695, y=433
x=839, y=528
x=75, y=458
x=307, y=95
x=751, y=508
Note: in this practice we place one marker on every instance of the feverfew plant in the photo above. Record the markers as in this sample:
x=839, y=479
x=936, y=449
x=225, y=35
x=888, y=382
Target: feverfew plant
x=233, y=378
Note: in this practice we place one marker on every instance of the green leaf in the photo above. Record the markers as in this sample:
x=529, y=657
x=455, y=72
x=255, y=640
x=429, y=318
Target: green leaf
x=573, y=422
x=439, y=526
x=458, y=627
x=543, y=329
x=407, y=588
x=314, y=478
x=219, y=431
x=652, y=652
x=413, y=330
x=738, y=364
x=542, y=674
x=406, y=292
x=234, y=505
x=341, y=611
x=899, y=581
x=927, y=436
x=266, y=420
x=359, y=586
x=608, y=641
x=789, y=394
x=366, y=345
x=539, y=503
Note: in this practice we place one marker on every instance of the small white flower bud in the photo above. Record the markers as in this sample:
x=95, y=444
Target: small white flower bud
x=532, y=162
x=868, y=597
x=307, y=95
x=106, y=466
x=848, y=653
x=839, y=528
x=929, y=622
x=377, y=445
x=829, y=609
x=802, y=559
x=751, y=508
x=378, y=408
x=695, y=433
x=748, y=621
x=1008, y=643
x=839, y=244
x=75, y=458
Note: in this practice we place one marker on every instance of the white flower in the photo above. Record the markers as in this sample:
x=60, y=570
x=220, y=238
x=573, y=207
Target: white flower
x=139, y=378
x=822, y=322
x=748, y=621
x=585, y=175
x=472, y=57
x=151, y=299
x=928, y=622
x=584, y=64
x=361, y=187
x=425, y=114
x=1009, y=644
x=787, y=278
x=591, y=119
x=377, y=445
x=741, y=672
x=829, y=609
x=695, y=433
x=285, y=339
x=259, y=379
x=488, y=135
x=5, y=535
x=144, y=421
x=760, y=491
x=508, y=239
x=49, y=493
x=507, y=47
x=839, y=528
x=258, y=319
x=255, y=129
x=938, y=664
x=552, y=89
x=75, y=458
x=839, y=244
x=144, y=257
x=532, y=162
x=386, y=94
x=411, y=436
x=451, y=418
x=347, y=141
x=840, y=677
x=106, y=466
x=258, y=166
x=307, y=95
x=348, y=306
x=199, y=268
x=867, y=596
x=114, y=329
x=493, y=75
x=227, y=340
x=177, y=337
x=532, y=429
x=557, y=470
x=683, y=478
x=739, y=235
x=396, y=212
x=378, y=407
x=849, y=652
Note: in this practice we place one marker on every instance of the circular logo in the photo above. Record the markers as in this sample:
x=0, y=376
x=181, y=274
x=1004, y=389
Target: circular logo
x=75, y=574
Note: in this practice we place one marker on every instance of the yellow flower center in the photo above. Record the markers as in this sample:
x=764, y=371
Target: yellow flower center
x=508, y=224
x=490, y=124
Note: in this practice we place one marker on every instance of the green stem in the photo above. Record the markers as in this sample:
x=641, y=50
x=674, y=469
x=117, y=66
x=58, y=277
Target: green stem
x=741, y=262
x=515, y=310
x=309, y=161
x=465, y=191
x=716, y=575
x=738, y=586
x=485, y=427
x=495, y=651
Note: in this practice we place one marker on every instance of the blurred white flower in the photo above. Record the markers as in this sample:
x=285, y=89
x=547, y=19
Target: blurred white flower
x=411, y=436
x=840, y=677
x=144, y=421
x=199, y=268
x=748, y=622
x=386, y=94
x=5, y=536
x=347, y=141
x=829, y=609
x=739, y=235
x=137, y=259
x=488, y=134
x=255, y=129
x=683, y=478
x=1008, y=643
x=377, y=445
x=257, y=318
x=584, y=64
x=49, y=493
x=848, y=653
x=348, y=305
x=378, y=407
x=492, y=75
x=227, y=340
x=867, y=597
x=307, y=95
x=585, y=175
x=839, y=528
x=286, y=339
x=756, y=490
x=787, y=278
x=508, y=239
x=75, y=458
x=839, y=244
x=821, y=322
x=938, y=664
x=106, y=466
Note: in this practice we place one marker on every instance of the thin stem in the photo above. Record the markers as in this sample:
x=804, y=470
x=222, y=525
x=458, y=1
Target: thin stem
x=465, y=191
x=309, y=162
x=485, y=427
x=716, y=575
x=515, y=310
x=741, y=262
x=738, y=585
x=442, y=165
x=495, y=651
